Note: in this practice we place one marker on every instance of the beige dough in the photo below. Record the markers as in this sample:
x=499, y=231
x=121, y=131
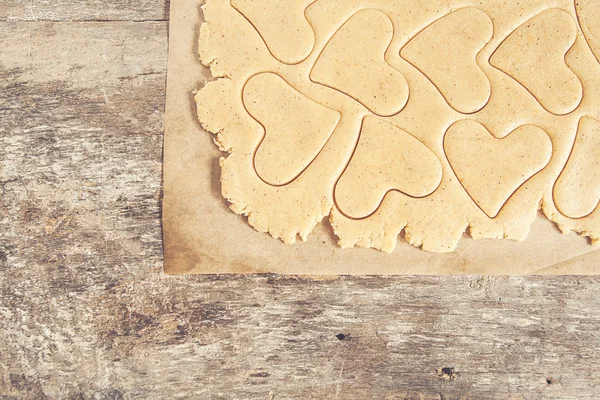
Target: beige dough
x=577, y=191
x=540, y=45
x=588, y=13
x=411, y=168
x=491, y=169
x=446, y=52
x=428, y=117
x=296, y=128
x=284, y=18
x=354, y=64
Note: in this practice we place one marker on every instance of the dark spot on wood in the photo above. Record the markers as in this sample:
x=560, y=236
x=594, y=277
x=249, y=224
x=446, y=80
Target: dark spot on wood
x=549, y=381
x=260, y=375
x=340, y=336
x=447, y=373
x=182, y=332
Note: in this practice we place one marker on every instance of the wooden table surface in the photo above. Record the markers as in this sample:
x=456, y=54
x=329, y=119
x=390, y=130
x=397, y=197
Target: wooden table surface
x=86, y=313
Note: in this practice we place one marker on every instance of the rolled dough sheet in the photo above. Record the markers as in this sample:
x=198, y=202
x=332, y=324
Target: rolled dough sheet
x=373, y=124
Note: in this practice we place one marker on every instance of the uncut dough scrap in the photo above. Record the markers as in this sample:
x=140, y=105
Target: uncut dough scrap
x=445, y=118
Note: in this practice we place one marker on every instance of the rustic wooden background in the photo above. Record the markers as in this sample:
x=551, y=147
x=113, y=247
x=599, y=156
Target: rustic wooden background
x=86, y=313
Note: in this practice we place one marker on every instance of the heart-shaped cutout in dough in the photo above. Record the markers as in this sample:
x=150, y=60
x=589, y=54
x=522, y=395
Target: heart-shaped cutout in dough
x=446, y=53
x=588, y=15
x=386, y=158
x=296, y=128
x=282, y=25
x=492, y=169
x=577, y=190
x=353, y=62
x=534, y=56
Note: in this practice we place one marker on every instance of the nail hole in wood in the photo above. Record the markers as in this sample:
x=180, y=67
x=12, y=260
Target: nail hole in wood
x=447, y=373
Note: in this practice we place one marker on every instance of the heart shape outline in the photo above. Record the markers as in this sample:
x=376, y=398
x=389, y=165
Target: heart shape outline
x=478, y=131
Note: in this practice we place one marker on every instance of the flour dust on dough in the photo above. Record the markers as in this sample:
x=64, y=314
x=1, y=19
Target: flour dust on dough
x=428, y=117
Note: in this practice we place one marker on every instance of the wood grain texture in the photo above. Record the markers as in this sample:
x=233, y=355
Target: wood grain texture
x=85, y=10
x=86, y=312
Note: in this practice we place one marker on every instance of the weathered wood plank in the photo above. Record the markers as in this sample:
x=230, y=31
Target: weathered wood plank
x=88, y=10
x=86, y=312
x=80, y=176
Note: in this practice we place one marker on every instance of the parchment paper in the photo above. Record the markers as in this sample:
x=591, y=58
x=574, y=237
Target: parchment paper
x=202, y=236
